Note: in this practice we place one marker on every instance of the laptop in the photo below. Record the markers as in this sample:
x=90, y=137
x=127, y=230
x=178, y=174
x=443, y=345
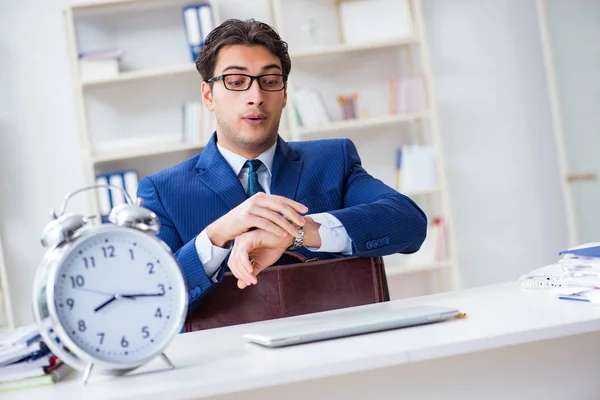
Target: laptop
x=347, y=322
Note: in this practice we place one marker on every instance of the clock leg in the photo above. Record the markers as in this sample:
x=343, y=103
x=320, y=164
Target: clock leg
x=88, y=371
x=166, y=359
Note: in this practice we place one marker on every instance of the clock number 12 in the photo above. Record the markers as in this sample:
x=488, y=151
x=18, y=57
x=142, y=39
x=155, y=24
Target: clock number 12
x=108, y=251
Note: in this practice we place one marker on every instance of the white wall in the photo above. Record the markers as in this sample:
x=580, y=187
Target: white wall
x=39, y=157
x=501, y=159
x=576, y=59
x=493, y=109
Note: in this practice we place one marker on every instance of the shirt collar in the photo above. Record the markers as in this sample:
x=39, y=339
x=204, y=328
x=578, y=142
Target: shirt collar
x=236, y=162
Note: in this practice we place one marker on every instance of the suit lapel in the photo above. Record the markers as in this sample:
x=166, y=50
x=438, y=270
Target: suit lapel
x=287, y=167
x=217, y=175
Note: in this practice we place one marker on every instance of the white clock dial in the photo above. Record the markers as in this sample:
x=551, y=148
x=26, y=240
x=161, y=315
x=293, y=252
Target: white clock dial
x=118, y=296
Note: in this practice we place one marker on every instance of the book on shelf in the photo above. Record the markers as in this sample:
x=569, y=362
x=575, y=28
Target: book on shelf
x=198, y=22
x=26, y=361
x=192, y=121
x=128, y=180
x=416, y=168
x=408, y=94
x=310, y=108
x=198, y=123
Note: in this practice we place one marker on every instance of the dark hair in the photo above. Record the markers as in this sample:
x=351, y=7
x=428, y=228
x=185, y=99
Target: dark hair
x=249, y=32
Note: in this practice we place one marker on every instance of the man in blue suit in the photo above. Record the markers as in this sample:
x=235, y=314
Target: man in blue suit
x=250, y=195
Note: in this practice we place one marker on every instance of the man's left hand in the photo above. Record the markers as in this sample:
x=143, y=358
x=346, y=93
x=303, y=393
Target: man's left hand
x=263, y=247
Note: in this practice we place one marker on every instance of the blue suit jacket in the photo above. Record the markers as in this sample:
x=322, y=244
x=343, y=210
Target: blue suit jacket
x=324, y=175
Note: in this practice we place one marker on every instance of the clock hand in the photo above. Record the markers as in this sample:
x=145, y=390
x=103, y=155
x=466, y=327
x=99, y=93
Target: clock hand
x=114, y=297
x=107, y=302
x=133, y=296
x=100, y=292
x=95, y=291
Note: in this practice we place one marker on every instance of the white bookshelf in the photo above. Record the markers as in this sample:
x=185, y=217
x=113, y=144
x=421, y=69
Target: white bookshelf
x=132, y=119
x=143, y=101
x=366, y=68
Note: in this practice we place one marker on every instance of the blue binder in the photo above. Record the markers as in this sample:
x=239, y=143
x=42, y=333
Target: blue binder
x=198, y=22
x=126, y=179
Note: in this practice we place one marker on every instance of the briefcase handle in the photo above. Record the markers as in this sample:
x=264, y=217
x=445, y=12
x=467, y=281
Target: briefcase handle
x=292, y=256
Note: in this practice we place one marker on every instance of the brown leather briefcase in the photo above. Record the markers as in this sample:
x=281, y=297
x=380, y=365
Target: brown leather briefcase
x=303, y=287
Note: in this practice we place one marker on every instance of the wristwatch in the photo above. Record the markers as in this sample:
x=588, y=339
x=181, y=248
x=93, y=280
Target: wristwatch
x=298, y=240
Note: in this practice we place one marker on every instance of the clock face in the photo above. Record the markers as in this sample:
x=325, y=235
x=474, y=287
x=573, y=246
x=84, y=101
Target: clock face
x=119, y=296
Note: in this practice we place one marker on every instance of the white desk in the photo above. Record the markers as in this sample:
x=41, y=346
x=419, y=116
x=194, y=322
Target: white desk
x=513, y=344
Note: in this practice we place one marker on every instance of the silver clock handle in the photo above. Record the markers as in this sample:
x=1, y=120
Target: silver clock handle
x=69, y=195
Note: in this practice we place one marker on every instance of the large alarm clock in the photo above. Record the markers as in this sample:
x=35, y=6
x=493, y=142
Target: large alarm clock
x=111, y=296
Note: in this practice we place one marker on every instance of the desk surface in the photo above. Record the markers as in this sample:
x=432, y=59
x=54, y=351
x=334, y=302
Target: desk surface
x=219, y=361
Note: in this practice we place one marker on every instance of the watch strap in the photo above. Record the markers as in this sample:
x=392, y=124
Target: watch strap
x=299, y=240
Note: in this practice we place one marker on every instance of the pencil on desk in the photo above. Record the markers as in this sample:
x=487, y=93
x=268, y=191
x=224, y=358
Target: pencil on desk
x=573, y=298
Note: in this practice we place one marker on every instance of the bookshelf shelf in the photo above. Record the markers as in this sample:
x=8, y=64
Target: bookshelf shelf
x=110, y=4
x=392, y=270
x=342, y=49
x=423, y=192
x=142, y=74
x=187, y=68
x=374, y=72
x=360, y=123
x=156, y=149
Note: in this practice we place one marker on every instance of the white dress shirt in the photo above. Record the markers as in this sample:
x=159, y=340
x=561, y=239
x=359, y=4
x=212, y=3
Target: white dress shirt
x=334, y=238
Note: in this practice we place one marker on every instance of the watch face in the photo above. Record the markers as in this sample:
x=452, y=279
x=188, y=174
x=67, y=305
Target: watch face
x=119, y=296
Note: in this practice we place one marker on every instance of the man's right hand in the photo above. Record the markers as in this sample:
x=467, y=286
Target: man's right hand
x=264, y=211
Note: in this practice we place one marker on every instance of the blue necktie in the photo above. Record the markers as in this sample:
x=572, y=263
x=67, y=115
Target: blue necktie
x=253, y=185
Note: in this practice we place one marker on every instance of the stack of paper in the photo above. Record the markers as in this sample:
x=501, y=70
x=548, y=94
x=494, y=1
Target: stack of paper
x=26, y=361
x=582, y=265
x=575, y=276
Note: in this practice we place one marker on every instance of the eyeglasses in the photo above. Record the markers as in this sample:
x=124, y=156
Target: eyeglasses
x=243, y=82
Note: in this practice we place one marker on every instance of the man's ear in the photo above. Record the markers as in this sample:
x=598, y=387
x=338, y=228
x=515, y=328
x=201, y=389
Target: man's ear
x=285, y=88
x=207, y=96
